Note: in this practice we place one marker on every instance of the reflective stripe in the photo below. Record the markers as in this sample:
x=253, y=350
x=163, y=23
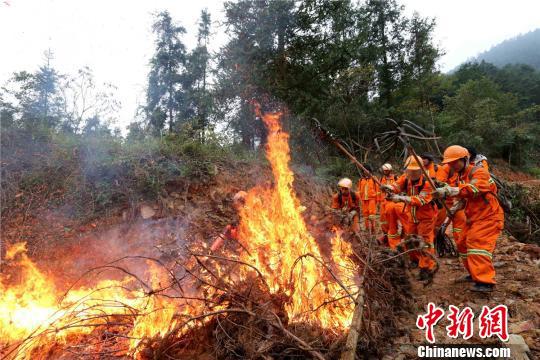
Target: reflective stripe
x=429, y=246
x=384, y=222
x=474, y=190
x=479, y=252
x=456, y=230
x=491, y=181
x=413, y=212
x=462, y=255
x=422, y=201
x=392, y=236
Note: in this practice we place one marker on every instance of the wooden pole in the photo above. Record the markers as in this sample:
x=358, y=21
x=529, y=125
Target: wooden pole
x=355, y=161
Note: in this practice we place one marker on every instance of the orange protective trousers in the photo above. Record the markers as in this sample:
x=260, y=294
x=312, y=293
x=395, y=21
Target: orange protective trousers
x=394, y=215
x=480, y=238
x=424, y=228
x=369, y=210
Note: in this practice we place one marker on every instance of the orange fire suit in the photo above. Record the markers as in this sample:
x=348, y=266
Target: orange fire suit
x=445, y=175
x=394, y=215
x=350, y=203
x=390, y=180
x=368, y=190
x=421, y=215
x=485, y=221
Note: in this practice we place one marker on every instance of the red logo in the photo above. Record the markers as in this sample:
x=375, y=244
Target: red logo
x=461, y=322
x=494, y=322
x=429, y=320
x=491, y=322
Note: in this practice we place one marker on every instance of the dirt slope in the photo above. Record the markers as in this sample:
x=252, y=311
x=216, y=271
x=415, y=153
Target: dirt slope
x=518, y=287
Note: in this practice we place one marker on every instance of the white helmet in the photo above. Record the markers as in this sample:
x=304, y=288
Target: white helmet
x=240, y=197
x=386, y=166
x=345, y=182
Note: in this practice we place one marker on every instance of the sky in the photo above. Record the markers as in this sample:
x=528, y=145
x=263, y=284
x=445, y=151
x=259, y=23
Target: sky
x=114, y=38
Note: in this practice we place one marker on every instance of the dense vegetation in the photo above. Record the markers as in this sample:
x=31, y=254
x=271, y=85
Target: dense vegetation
x=349, y=65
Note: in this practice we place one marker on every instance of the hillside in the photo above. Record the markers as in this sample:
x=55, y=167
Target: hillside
x=72, y=255
x=522, y=49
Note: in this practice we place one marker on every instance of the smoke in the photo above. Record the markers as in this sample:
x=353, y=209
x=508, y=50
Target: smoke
x=130, y=246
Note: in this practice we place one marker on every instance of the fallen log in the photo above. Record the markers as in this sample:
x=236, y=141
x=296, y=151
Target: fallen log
x=349, y=352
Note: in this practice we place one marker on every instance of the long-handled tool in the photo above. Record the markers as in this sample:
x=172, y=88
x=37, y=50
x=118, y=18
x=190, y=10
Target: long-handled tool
x=333, y=139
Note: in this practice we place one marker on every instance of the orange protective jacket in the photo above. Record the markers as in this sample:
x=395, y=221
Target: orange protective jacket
x=446, y=175
x=476, y=186
x=421, y=207
x=368, y=189
x=391, y=180
x=352, y=201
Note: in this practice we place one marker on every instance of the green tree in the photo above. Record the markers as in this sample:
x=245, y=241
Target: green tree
x=259, y=33
x=37, y=101
x=483, y=115
x=197, y=77
x=165, y=93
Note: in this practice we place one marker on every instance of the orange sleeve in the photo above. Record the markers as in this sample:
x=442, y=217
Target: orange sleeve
x=485, y=165
x=479, y=184
x=424, y=197
x=380, y=196
x=400, y=184
x=335, y=202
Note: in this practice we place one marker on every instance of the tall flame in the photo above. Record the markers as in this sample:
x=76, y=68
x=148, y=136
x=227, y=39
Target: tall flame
x=273, y=230
x=34, y=313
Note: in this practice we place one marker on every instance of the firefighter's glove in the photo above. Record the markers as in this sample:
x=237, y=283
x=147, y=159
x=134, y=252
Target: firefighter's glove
x=387, y=188
x=444, y=191
x=400, y=198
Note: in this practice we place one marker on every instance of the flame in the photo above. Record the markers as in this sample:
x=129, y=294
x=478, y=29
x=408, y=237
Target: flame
x=274, y=231
x=35, y=315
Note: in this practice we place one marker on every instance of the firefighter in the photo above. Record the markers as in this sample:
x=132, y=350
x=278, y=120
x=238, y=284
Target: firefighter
x=388, y=178
x=347, y=200
x=368, y=190
x=420, y=212
x=231, y=230
x=485, y=217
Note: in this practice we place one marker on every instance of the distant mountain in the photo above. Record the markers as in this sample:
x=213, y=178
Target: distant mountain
x=522, y=49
